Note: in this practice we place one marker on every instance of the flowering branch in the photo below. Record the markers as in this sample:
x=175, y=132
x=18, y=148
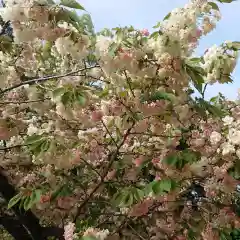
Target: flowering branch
x=111, y=158
x=43, y=79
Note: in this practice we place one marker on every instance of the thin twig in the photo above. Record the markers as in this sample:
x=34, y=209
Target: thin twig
x=109, y=133
x=43, y=79
x=129, y=83
x=11, y=147
x=21, y=102
x=90, y=165
x=111, y=159
x=136, y=233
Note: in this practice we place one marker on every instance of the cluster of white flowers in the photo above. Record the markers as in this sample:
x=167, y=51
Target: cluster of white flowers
x=233, y=136
x=69, y=231
x=29, y=178
x=44, y=128
x=90, y=131
x=14, y=141
x=228, y=120
x=78, y=50
x=97, y=233
x=183, y=23
x=218, y=64
x=215, y=137
x=21, y=13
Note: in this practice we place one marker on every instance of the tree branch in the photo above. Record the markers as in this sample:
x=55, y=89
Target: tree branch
x=111, y=158
x=43, y=79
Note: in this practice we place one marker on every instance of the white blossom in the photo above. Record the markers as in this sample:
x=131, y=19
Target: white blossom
x=215, y=137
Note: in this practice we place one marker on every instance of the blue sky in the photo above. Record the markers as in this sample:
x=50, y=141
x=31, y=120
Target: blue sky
x=144, y=14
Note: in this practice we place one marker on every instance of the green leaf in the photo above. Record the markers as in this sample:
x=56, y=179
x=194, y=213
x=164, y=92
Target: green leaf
x=38, y=194
x=33, y=139
x=163, y=186
x=13, y=201
x=50, y=2
x=167, y=16
x=5, y=38
x=225, y=236
x=214, y=99
x=36, y=148
x=213, y=110
x=86, y=23
x=67, y=98
x=33, y=199
x=61, y=191
x=88, y=238
x=71, y=4
x=5, y=43
x=195, y=60
x=157, y=188
x=21, y=203
x=138, y=194
x=45, y=146
x=27, y=203
x=81, y=99
x=166, y=185
x=214, y=6
x=157, y=25
x=128, y=200
x=233, y=45
x=171, y=160
x=160, y=96
x=226, y=1
x=74, y=16
x=112, y=49
x=155, y=35
x=118, y=198
x=194, y=73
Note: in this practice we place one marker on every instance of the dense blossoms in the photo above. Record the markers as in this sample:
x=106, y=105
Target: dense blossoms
x=102, y=133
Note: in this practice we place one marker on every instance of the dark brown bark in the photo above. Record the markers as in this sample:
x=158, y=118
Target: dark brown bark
x=26, y=218
x=15, y=228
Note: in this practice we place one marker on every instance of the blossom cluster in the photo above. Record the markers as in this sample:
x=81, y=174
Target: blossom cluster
x=108, y=130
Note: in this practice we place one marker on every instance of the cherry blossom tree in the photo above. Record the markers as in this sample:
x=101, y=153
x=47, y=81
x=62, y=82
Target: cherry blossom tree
x=101, y=133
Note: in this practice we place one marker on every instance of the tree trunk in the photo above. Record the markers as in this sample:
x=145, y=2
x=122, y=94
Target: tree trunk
x=15, y=228
x=27, y=218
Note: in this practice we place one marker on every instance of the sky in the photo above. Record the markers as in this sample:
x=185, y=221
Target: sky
x=145, y=13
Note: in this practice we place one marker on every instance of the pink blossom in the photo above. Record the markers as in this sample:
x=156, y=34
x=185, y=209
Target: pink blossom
x=12, y=95
x=198, y=33
x=116, y=108
x=127, y=56
x=76, y=156
x=155, y=160
x=177, y=64
x=45, y=198
x=111, y=175
x=69, y=231
x=138, y=161
x=65, y=203
x=4, y=133
x=180, y=238
x=157, y=178
x=237, y=223
x=145, y=32
x=142, y=126
x=192, y=39
x=141, y=209
x=97, y=116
